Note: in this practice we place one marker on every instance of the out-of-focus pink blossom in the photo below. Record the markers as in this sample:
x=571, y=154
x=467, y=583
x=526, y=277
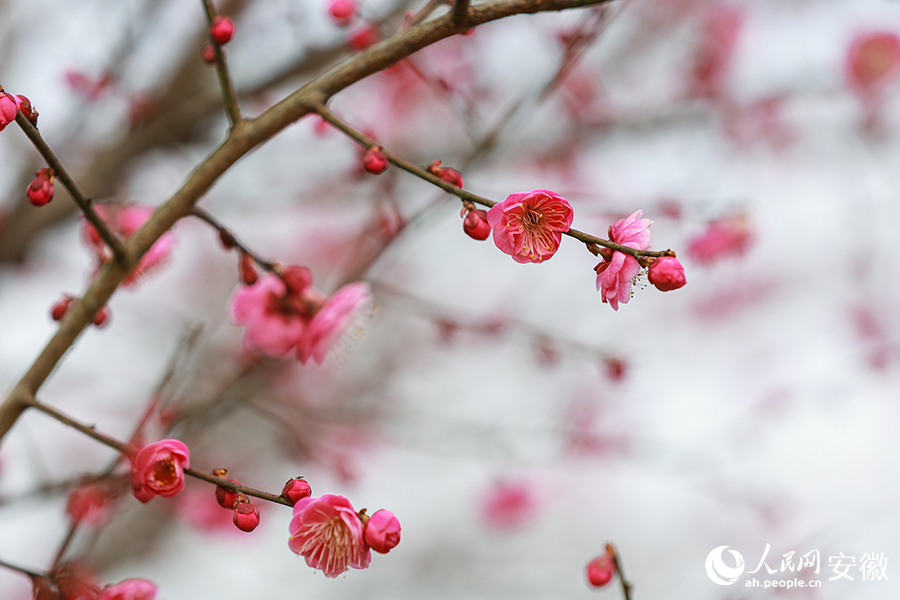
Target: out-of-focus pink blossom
x=208, y=54
x=364, y=37
x=509, y=505
x=873, y=61
x=328, y=533
x=91, y=89
x=125, y=220
x=158, y=469
x=600, y=570
x=728, y=236
x=222, y=29
x=275, y=320
x=616, y=272
x=666, y=274
x=130, y=589
x=342, y=317
x=529, y=225
x=8, y=109
x=342, y=11
x=719, y=37
x=382, y=531
x=88, y=504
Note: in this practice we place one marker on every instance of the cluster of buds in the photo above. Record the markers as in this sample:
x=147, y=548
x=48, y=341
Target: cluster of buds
x=11, y=105
x=61, y=308
x=221, y=31
x=245, y=514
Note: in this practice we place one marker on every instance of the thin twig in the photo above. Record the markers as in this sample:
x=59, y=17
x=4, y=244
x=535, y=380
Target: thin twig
x=228, y=94
x=83, y=202
x=423, y=173
x=210, y=220
x=28, y=572
x=626, y=586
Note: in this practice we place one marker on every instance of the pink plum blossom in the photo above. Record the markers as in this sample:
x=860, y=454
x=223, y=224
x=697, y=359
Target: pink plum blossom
x=275, y=320
x=158, y=469
x=509, y=504
x=125, y=220
x=666, y=274
x=328, y=533
x=616, y=272
x=342, y=315
x=719, y=38
x=529, y=225
x=382, y=531
x=728, y=236
x=130, y=589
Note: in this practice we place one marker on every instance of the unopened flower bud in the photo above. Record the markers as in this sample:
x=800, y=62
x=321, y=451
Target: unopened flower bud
x=666, y=274
x=476, y=226
x=246, y=515
x=208, y=54
x=600, y=570
x=248, y=270
x=295, y=490
x=27, y=110
x=363, y=38
x=102, y=317
x=226, y=239
x=382, y=531
x=375, y=161
x=8, y=109
x=451, y=176
x=61, y=307
x=342, y=11
x=222, y=29
x=225, y=496
x=40, y=190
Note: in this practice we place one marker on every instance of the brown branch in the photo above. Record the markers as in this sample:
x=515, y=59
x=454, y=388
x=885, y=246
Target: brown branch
x=243, y=137
x=83, y=202
x=626, y=585
x=211, y=221
x=421, y=172
x=460, y=11
x=228, y=95
x=28, y=572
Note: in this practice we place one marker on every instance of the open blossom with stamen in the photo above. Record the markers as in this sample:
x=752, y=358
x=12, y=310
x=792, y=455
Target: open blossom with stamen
x=158, y=469
x=328, y=533
x=125, y=220
x=343, y=314
x=616, y=272
x=529, y=225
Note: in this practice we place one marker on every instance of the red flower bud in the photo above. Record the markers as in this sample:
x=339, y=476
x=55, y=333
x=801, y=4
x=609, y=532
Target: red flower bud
x=375, y=161
x=451, y=176
x=296, y=489
x=248, y=270
x=364, y=38
x=102, y=317
x=297, y=278
x=600, y=570
x=60, y=309
x=222, y=29
x=476, y=226
x=342, y=11
x=40, y=190
x=224, y=496
x=208, y=54
x=246, y=515
x=666, y=274
x=382, y=531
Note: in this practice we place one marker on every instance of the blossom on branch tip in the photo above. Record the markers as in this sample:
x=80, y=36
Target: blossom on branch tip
x=328, y=533
x=342, y=11
x=158, y=469
x=666, y=274
x=130, y=589
x=222, y=29
x=40, y=190
x=382, y=531
x=600, y=570
x=529, y=225
x=617, y=270
x=343, y=317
